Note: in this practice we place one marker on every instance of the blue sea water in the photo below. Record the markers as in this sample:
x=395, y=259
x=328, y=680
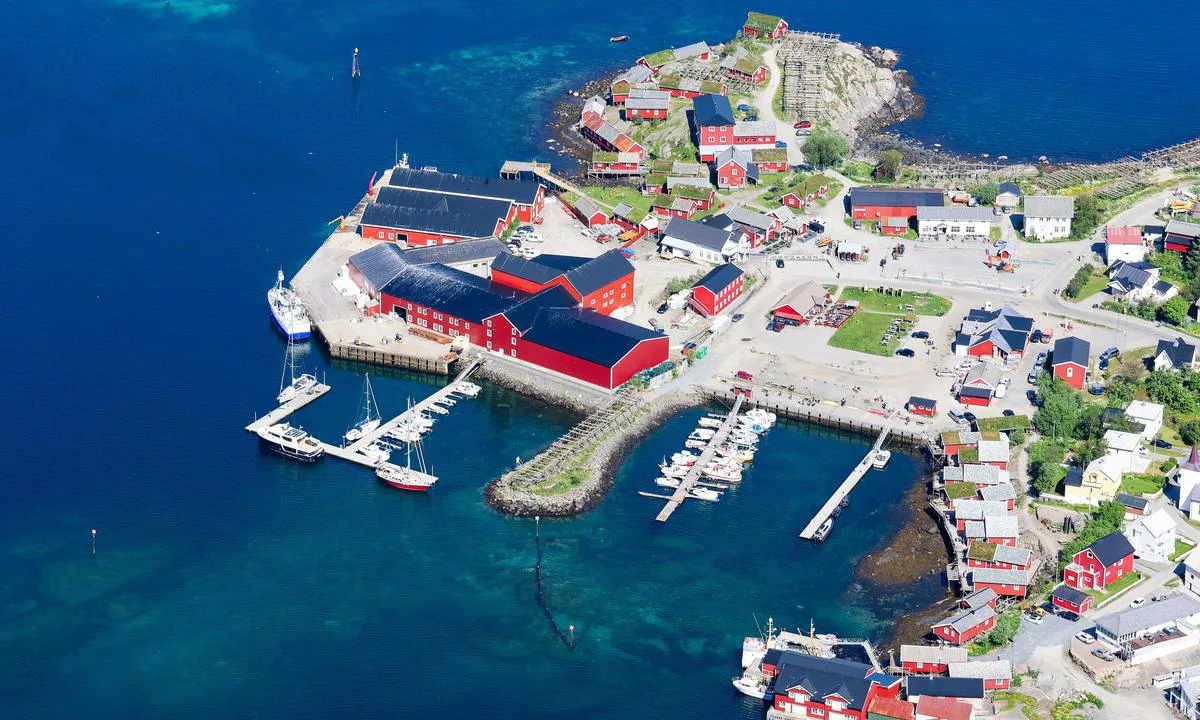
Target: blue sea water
x=159, y=162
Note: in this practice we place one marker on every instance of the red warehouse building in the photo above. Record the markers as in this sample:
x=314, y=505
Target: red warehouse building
x=995, y=674
x=806, y=685
x=1068, y=598
x=993, y=333
x=421, y=218
x=1070, y=360
x=528, y=197
x=989, y=555
x=717, y=290
x=966, y=626
x=1007, y=583
x=1180, y=236
x=930, y=659
x=605, y=162
x=767, y=27
x=603, y=283
x=742, y=68
x=883, y=203
x=1104, y=561
x=588, y=212
x=921, y=406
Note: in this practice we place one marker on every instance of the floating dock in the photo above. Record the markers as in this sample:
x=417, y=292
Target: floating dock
x=285, y=410
x=693, y=477
x=843, y=490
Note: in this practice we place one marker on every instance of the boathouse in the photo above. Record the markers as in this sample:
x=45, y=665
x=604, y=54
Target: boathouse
x=979, y=598
x=813, y=686
x=588, y=212
x=1068, y=598
x=763, y=26
x=717, y=290
x=880, y=204
x=930, y=659
x=528, y=197
x=1180, y=236
x=1070, y=360
x=921, y=406
x=1104, y=561
x=603, y=283
x=969, y=690
x=1006, y=583
x=605, y=162
x=647, y=105
x=990, y=555
x=770, y=160
x=420, y=218
x=964, y=627
x=995, y=674
x=741, y=67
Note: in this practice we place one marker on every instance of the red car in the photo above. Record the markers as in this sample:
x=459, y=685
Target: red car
x=802, y=125
x=743, y=375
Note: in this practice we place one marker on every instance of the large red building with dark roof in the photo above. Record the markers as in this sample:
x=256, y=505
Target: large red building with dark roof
x=603, y=283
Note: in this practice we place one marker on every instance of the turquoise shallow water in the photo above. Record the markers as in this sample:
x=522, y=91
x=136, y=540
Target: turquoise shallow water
x=160, y=162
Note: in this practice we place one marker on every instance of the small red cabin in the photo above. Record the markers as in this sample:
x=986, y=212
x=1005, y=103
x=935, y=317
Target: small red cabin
x=966, y=626
x=1068, y=598
x=921, y=406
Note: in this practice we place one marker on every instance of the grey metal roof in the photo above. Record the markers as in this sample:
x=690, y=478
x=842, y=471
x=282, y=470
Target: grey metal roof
x=588, y=208
x=518, y=191
x=1002, y=526
x=938, y=654
x=994, y=450
x=749, y=218
x=960, y=213
x=979, y=598
x=748, y=128
x=998, y=492
x=986, y=669
x=984, y=373
x=996, y=576
x=978, y=509
x=649, y=93
x=623, y=209
x=378, y=264
x=1049, y=206
x=1149, y=616
x=1013, y=555
x=682, y=204
x=978, y=474
x=1071, y=350
x=465, y=251
x=648, y=103
x=692, y=50
x=968, y=619
x=706, y=236
x=732, y=154
x=1184, y=229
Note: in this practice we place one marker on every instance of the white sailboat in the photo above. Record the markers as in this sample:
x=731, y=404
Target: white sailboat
x=298, y=384
x=368, y=418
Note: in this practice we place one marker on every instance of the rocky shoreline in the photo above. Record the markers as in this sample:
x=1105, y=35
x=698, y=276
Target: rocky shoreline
x=504, y=496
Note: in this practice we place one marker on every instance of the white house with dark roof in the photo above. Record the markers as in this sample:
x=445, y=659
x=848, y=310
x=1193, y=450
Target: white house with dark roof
x=1175, y=353
x=993, y=333
x=1186, y=478
x=1153, y=630
x=703, y=243
x=1126, y=449
x=1152, y=536
x=1048, y=217
x=1138, y=281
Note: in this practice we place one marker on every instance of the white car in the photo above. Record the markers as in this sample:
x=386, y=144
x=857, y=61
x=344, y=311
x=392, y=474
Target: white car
x=1085, y=638
x=945, y=372
x=1138, y=602
x=1001, y=390
x=1034, y=619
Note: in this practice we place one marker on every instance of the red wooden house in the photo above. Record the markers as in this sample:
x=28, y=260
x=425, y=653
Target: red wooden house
x=689, y=88
x=1008, y=583
x=882, y=203
x=930, y=659
x=588, y=212
x=763, y=26
x=735, y=168
x=995, y=674
x=956, y=440
x=921, y=406
x=717, y=290
x=614, y=163
x=978, y=599
x=630, y=218
x=603, y=283
x=744, y=69
x=1068, y=598
x=984, y=554
x=770, y=159
x=712, y=116
x=810, y=686
x=1180, y=236
x=642, y=104
x=674, y=206
x=1104, y=561
x=1070, y=360
x=966, y=626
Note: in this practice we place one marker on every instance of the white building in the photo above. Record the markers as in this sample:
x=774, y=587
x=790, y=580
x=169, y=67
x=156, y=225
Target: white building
x=1048, y=217
x=1191, y=573
x=1135, y=282
x=1149, y=414
x=703, y=243
x=1186, y=477
x=1183, y=692
x=1127, y=450
x=1153, y=630
x=1152, y=536
x=1124, y=243
x=955, y=221
x=1175, y=353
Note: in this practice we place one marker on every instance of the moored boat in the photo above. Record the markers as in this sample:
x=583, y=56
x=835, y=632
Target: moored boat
x=707, y=422
x=618, y=38
x=292, y=442
x=702, y=434
x=288, y=311
x=299, y=384
x=752, y=685
x=668, y=482
x=881, y=459
x=468, y=389
x=368, y=418
x=701, y=493
x=823, y=531
x=404, y=478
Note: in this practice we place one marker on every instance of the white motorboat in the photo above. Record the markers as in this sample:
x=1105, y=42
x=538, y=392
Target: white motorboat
x=668, y=482
x=752, y=684
x=298, y=384
x=881, y=459
x=368, y=417
x=684, y=458
x=447, y=401
x=468, y=389
x=438, y=409
x=702, y=493
x=761, y=416
x=702, y=434
x=674, y=470
x=740, y=453
x=753, y=649
x=710, y=422
x=695, y=444
x=404, y=434
x=287, y=311
x=292, y=442
x=823, y=531
x=721, y=472
x=376, y=452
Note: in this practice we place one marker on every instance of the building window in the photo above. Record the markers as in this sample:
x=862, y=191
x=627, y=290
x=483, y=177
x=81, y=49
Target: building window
x=380, y=234
x=438, y=328
x=513, y=352
x=391, y=236
x=489, y=334
x=466, y=326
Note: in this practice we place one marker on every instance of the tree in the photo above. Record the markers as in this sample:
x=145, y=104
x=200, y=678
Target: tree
x=1120, y=391
x=1090, y=424
x=1090, y=449
x=987, y=193
x=1166, y=387
x=1087, y=216
x=1175, y=310
x=1111, y=513
x=1189, y=432
x=1058, y=415
x=889, y=165
x=1045, y=464
x=1191, y=260
x=825, y=148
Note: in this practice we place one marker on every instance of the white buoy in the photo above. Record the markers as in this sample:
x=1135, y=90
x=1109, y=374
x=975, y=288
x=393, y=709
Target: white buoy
x=93, y=542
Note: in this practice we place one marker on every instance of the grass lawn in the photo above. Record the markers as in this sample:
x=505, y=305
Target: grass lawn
x=1142, y=483
x=923, y=303
x=613, y=196
x=1114, y=588
x=1097, y=282
x=862, y=333
x=1180, y=548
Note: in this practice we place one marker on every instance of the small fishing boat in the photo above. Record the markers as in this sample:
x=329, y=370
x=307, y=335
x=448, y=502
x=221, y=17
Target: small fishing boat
x=674, y=471
x=701, y=434
x=763, y=417
x=700, y=493
x=695, y=444
x=438, y=409
x=618, y=38
x=288, y=311
x=668, y=482
x=684, y=458
x=823, y=531
x=752, y=684
x=732, y=452
x=721, y=472
x=447, y=401
x=468, y=389
x=708, y=422
x=881, y=459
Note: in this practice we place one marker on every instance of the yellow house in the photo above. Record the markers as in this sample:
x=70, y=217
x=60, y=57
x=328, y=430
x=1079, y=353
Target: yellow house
x=1096, y=483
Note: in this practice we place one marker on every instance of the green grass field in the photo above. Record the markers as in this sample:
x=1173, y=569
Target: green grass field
x=1142, y=483
x=862, y=333
x=923, y=303
x=613, y=196
x=1116, y=587
x=1097, y=282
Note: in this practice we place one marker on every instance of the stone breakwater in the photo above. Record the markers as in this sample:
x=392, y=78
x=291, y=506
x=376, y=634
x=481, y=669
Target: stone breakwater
x=507, y=496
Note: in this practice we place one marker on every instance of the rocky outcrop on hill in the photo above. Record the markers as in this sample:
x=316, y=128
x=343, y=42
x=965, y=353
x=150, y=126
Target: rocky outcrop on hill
x=864, y=93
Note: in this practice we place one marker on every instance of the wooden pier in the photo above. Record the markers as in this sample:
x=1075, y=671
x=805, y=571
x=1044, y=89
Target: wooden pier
x=843, y=490
x=289, y=407
x=693, y=477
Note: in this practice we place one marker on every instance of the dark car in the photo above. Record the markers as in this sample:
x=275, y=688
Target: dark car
x=662, y=309
x=526, y=229
x=1035, y=336
x=1099, y=652
x=906, y=352
x=737, y=317
x=1160, y=443
x=1110, y=353
x=1008, y=413
x=1069, y=616
x=1032, y=396
x=779, y=262
x=971, y=418
x=920, y=335
x=775, y=326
